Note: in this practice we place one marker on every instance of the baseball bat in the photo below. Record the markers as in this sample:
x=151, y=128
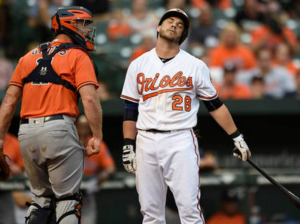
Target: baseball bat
x=293, y=198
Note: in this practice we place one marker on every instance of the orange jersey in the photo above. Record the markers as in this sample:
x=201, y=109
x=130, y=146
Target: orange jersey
x=11, y=148
x=138, y=51
x=242, y=57
x=97, y=162
x=116, y=31
x=273, y=39
x=72, y=65
x=221, y=218
x=239, y=91
x=291, y=67
x=223, y=4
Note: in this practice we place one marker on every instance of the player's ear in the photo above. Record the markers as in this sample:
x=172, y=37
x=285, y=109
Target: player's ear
x=158, y=28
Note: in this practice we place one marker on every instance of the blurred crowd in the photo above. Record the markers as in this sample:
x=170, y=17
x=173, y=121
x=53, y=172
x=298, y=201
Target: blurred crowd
x=250, y=46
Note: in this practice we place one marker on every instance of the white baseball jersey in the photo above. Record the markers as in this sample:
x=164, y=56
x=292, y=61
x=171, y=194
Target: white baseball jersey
x=168, y=93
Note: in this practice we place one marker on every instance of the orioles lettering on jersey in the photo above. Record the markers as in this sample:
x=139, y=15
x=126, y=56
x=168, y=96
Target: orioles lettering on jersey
x=166, y=84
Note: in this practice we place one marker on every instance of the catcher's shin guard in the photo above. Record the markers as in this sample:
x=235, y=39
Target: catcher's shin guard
x=39, y=215
x=72, y=204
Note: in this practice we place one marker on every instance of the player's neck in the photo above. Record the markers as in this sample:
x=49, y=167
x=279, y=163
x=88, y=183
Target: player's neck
x=64, y=37
x=166, y=50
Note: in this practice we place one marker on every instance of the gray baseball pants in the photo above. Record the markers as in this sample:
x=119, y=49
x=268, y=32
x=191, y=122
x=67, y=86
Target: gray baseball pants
x=54, y=162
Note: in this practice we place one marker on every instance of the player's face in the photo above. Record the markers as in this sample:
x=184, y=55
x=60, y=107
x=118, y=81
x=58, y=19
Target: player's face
x=171, y=29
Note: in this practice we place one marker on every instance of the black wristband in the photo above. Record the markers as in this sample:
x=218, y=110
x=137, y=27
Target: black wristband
x=235, y=134
x=128, y=141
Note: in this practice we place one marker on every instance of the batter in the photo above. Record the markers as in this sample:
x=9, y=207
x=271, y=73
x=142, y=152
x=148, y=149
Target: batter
x=162, y=91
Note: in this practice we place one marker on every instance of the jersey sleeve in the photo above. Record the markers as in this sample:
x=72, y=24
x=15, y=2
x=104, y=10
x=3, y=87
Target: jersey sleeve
x=130, y=90
x=204, y=86
x=84, y=72
x=16, y=79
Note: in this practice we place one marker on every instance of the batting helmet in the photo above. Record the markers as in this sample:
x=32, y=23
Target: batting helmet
x=75, y=22
x=180, y=14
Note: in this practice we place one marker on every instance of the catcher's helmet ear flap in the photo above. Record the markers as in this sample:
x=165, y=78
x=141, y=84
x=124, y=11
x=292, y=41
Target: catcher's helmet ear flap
x=76, y=23
x=176, y=12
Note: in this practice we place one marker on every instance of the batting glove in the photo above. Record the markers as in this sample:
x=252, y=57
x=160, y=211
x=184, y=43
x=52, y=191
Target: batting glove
x=241, y=149
x=128, y=157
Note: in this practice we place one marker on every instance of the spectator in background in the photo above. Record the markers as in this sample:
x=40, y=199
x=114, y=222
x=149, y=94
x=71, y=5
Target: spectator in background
x=271, y=33
x=6, y=71
x=283, y=58
x=249, y=16
x=171, y=4
x=118, y=26
x=103, y=91
x=142, y=20
x=100, y=8
x=101, y=165
x=147, y=44
x=206, y=33
x=230, y=89
x=229, y=212
x=40, y=18
x=278, y=82
x=257, y=87
x=11, y=148
x=231, y=49
x=292, y=8
x=219, y=4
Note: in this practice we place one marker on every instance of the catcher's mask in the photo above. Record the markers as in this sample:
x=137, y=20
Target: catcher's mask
x=180, y=14
x=76, y=22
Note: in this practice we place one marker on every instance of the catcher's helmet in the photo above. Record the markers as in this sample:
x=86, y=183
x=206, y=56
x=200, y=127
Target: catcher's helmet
x=182, y=15
x=75, y=22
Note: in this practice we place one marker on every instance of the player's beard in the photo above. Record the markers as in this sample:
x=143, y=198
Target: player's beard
x=164, y=35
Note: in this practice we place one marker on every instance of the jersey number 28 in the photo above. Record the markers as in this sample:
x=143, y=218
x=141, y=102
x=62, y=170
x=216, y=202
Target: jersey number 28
x=178, y=101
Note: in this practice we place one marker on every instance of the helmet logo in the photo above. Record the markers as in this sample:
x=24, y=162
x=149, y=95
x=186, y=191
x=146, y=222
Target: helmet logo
x=43, y=71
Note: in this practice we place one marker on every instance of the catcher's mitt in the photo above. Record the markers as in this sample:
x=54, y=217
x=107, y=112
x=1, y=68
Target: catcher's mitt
x=4, y=167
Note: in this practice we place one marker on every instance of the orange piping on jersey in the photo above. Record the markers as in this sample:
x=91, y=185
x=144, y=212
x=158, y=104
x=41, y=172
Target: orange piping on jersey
x=86, y=83
x=205, y=97
x=15, y=83
x=198, y=158
x=129, y=98
x=164, y=91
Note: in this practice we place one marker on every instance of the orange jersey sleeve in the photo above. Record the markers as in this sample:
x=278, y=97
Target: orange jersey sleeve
x=102, y=160
x=11, y=148
x=72, y=65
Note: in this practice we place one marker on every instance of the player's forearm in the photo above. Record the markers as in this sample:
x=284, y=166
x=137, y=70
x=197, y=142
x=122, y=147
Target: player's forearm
x=224, y=119
x=93, y=112
x=129, y=129
x=7, y=109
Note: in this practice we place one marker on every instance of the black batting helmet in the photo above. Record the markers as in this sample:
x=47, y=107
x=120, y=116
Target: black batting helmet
x=176, y=12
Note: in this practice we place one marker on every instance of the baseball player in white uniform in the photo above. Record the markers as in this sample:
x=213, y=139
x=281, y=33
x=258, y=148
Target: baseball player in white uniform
x=162, y=91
